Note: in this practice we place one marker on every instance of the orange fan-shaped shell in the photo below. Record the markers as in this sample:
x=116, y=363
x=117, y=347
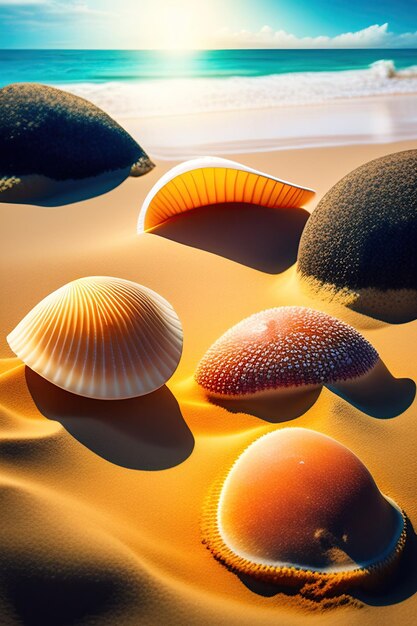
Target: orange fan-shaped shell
x=212, y=180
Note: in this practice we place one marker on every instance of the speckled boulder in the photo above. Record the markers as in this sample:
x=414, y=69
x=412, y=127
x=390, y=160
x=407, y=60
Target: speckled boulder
x=54, y=145
x=360, y=243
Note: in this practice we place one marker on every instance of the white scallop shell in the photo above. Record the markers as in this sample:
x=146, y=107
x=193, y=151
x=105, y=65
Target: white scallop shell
x=212, y=180
x=101, y=337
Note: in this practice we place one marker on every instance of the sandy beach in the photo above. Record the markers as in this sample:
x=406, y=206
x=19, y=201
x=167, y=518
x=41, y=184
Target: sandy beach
x=338, y=122
x=111, y=496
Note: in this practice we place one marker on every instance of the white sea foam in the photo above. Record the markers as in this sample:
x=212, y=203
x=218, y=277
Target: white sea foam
x=151, y=98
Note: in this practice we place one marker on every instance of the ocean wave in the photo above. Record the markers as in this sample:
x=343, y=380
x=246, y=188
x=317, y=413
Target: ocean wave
x=386, y=69
x=162, y=97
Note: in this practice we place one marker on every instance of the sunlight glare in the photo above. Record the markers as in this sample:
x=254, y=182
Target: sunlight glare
x=180, y=25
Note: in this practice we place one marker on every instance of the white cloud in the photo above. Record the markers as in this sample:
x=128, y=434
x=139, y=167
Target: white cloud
x=75, y=7
x=375, y=36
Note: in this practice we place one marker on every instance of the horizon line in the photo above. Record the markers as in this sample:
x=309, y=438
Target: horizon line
x=181, y=50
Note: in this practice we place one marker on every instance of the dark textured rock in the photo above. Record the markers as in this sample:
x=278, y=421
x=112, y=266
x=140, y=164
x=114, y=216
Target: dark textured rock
x=363, y=233
x=49, y=132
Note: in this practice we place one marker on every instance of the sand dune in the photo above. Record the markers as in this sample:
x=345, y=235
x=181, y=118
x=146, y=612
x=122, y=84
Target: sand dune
x=86, y=522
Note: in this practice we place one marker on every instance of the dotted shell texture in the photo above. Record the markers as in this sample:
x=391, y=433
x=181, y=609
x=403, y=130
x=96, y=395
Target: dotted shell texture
x=282, y=348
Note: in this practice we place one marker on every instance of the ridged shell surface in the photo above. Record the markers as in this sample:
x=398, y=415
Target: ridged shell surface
x=284, y=347
x=101, y=337
x=211, y=180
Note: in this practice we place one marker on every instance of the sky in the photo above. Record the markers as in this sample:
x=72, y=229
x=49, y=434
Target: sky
x=194, y=24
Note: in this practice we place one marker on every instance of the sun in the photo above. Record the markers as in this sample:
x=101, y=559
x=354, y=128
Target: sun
x=176, y=32
x=180, y=25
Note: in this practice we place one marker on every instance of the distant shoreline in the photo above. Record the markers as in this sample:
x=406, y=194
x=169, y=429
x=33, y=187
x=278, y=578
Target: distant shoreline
x=360, y=121
x=225, y=102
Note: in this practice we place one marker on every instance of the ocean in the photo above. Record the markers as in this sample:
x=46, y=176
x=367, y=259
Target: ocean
x=131, y=83
x=98, y=66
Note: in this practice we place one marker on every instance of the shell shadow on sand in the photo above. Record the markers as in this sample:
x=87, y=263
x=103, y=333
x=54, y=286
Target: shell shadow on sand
x=379, y=394
x=272, y=408
x=273, y=364
x=45, y=603
x=144, y=433
x=382, y=396
x=403, y=586
x=263, y=238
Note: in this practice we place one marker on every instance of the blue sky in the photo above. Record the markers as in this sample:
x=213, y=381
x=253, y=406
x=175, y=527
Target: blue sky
x=212, y=24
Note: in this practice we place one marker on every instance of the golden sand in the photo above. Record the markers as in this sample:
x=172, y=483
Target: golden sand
x=144, y=526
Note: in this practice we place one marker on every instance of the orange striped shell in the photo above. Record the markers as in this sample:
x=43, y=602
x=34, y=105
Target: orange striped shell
x=211, y=180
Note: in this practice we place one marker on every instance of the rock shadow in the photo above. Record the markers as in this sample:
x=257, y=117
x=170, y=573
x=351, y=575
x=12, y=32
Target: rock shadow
x=39, y=600
x=143, y=433
x=388, y=316
x=260, y=237
x=41, y=191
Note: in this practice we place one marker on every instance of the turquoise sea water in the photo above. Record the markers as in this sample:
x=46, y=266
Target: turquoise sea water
x=98, y=66
x=269, y=98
